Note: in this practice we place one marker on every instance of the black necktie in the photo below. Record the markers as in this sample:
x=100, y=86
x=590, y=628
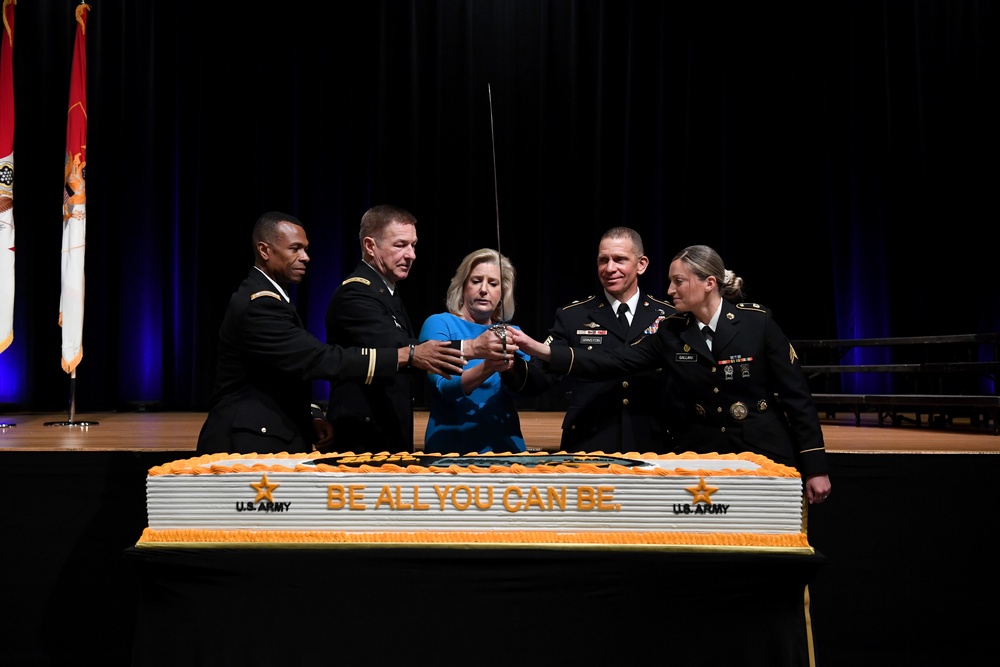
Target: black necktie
x=623, y=316
x=706, y=331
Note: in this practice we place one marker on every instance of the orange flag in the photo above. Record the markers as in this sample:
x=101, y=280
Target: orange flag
x=7, y=177
x=74, y=239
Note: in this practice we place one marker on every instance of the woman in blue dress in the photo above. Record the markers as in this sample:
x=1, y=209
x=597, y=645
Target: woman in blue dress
x=474, y=412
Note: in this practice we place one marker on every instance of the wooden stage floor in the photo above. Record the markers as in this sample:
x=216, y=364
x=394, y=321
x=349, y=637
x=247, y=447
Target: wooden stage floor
x=178, y=431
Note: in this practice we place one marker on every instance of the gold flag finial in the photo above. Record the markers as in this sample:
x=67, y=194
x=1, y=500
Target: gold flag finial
x=6, y=26
x=83, y=7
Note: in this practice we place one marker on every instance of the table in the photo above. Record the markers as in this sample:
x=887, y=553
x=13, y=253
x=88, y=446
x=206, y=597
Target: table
x=308, y=605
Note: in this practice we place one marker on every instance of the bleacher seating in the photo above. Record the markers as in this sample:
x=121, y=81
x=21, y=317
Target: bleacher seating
x=939, y=378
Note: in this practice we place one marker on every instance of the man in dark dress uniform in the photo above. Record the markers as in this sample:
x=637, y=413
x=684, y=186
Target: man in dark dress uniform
x=738, y=383
x=267, y=359
x=376, y=413
x=619, y=415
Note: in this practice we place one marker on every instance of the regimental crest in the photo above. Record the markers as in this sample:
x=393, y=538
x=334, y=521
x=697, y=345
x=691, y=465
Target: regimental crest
x=6, y=177
x=7, y=193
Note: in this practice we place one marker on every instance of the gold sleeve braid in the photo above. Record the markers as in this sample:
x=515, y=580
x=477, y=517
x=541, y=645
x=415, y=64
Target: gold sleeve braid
x=372, y=355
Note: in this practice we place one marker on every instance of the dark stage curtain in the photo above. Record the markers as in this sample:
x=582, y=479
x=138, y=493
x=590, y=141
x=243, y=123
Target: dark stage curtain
x=840, y=154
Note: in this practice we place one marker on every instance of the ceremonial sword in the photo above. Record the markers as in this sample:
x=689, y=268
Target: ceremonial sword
x=500, y=328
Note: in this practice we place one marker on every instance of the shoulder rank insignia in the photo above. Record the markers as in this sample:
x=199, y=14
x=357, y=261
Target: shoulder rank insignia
x=357, y=279
x=659, y=301
x=266, y=292
x=577, y=303
x=751, y=306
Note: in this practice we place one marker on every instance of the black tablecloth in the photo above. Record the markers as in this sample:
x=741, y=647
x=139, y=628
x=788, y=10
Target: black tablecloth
x=450, y=605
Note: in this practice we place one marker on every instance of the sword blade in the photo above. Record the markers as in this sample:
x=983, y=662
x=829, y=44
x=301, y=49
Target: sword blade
x=496, y=198
x=500, y=329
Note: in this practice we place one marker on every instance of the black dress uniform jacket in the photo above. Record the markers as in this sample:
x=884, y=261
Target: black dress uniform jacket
x=747, y=395
x=267, y=361
x=375, y=414
x=624, y=414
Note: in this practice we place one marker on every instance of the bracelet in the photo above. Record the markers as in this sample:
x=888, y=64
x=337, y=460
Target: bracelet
x=410, y=361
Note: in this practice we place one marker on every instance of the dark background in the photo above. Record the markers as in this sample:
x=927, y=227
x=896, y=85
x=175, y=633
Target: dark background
x=840, y=154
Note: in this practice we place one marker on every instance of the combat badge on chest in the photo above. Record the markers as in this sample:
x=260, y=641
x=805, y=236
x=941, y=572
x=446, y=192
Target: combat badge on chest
x=592, y=334
x=744, y=363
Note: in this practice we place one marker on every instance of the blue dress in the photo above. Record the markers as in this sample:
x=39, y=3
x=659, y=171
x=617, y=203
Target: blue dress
x=484, y=421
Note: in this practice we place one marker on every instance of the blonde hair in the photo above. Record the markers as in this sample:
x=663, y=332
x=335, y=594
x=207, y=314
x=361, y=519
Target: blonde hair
x=704, y=262
x=453, y=299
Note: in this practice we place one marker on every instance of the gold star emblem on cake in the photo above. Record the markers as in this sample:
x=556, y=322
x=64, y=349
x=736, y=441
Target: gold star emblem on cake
x=264, y=489
x=702, y=492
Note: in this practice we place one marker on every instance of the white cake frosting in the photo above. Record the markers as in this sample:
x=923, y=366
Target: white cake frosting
x=648, y=498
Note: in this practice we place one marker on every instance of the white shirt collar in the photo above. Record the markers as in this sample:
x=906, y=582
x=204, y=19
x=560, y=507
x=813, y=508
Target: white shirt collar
x=633, y=303
x=276, y=285
x=389, y=286
x=714, y=322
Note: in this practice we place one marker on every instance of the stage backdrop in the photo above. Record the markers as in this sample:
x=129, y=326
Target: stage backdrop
x=840, y=154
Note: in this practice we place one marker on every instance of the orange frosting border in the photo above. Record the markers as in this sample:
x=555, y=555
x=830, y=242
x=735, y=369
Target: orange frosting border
x=742, y=540
x=204, y=465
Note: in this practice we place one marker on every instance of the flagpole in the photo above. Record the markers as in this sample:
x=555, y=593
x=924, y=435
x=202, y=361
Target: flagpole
x=72, y=408
x=74, y=217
